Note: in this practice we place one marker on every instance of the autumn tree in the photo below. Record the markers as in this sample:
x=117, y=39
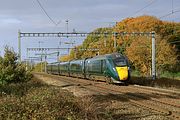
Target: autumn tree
x=64, y=58
x=138, y=49
x=167, y=57
x=96, y=41
x=139, y=53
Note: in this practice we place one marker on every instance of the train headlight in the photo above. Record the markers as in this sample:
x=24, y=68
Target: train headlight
x=114, y=69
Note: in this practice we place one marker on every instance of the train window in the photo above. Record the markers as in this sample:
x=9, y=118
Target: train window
x=94, y=66
x=118, y=56
x=103, y=65
x=76, y=66
x=120, y=62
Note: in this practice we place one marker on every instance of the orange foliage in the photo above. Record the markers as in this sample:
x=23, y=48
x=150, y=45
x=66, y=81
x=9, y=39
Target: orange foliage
x=139, y=53
x=137, y=48
x=64, y=58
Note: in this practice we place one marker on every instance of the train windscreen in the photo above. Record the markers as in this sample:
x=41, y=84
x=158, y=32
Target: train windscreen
x=120, y=62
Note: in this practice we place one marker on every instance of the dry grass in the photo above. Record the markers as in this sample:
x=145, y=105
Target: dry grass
x=35, y=100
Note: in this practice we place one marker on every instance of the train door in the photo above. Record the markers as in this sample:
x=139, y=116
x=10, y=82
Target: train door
x=103, y=66
x=83, y=68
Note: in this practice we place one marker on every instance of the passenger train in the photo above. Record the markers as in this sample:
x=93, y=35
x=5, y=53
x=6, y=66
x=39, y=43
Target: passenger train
x=112, y=68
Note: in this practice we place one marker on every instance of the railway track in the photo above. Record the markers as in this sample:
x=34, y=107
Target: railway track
x=137, y=100
x=145, y=103
x=158, y=92
x=172, y=100
x=177, y=93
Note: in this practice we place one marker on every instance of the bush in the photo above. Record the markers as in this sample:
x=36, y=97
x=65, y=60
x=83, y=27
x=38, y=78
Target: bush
x=10, y=70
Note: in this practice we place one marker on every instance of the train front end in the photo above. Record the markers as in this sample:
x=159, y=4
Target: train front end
x=121, y=68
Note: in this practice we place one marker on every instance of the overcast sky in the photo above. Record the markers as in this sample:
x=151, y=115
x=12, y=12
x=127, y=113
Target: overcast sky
x=83, y=16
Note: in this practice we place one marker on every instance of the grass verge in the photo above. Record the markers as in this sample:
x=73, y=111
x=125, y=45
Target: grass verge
x=35, y=100
x=159, y=82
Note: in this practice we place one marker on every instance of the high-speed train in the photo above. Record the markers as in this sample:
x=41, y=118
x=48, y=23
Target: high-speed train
x=112, y=68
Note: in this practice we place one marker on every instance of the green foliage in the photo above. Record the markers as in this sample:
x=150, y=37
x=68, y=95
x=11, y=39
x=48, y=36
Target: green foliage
x=94, y=38
x=93, y=41
x=171, y=75
x=10, y=70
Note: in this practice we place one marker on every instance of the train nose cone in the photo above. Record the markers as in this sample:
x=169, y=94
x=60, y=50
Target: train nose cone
x=122, y=73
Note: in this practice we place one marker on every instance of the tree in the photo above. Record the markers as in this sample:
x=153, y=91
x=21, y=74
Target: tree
x=10, y=70
x=137, y=48
x=65, y=58
x=139, y=53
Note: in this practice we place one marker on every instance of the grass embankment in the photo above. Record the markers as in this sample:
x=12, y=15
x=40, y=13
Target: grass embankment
x=166, y=75
x=171, y=75
x=35, y=100
x=165, y=80
x=159, y=82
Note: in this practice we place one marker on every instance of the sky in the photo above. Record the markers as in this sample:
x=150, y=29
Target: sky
x=82, y=15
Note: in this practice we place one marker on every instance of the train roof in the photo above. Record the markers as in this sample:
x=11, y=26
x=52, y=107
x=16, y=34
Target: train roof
x=53, y=63
x=107, y=56
x=112, y=55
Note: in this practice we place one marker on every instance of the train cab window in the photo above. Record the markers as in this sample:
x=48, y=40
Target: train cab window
x=120, y=62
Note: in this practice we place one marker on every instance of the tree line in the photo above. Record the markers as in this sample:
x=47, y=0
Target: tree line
x=137, y=48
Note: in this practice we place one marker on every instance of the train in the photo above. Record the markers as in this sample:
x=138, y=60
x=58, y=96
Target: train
x=111, y=68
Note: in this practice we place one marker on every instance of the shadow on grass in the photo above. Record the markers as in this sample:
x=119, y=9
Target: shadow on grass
x=117, y=106
x=128, y=96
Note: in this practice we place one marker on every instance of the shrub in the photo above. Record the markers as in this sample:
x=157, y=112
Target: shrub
x=10, y=70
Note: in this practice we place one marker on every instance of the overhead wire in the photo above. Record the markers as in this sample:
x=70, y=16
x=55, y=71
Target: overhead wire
x=163, y=16
x=149, y=4
x=166, y=15
x=172, y=11
x=47, y=14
